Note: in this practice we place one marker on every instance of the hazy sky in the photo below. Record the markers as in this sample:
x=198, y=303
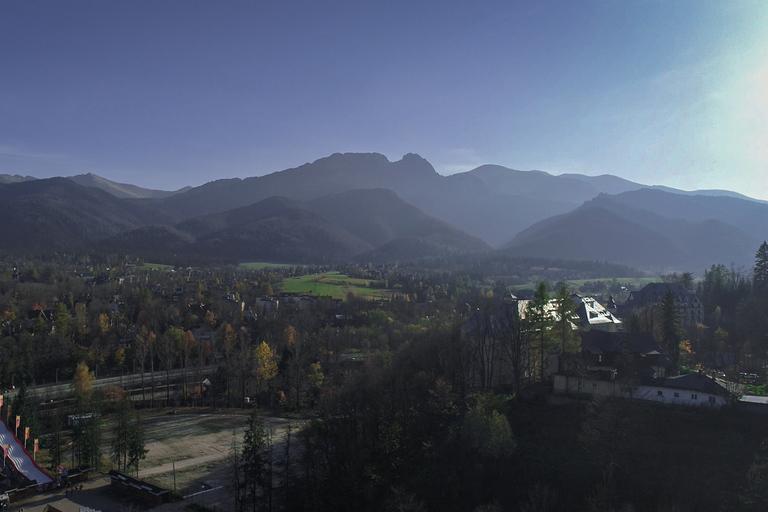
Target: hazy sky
x=166, y=93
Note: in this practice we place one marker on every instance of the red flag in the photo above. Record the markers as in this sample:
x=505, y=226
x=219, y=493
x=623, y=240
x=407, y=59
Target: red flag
x=18, y=421
x=26, y=433
x=1, y=400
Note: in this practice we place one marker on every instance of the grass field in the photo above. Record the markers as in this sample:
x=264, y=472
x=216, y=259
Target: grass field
x=332, y=284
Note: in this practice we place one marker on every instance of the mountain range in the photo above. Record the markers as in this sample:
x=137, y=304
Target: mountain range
x=362, y=207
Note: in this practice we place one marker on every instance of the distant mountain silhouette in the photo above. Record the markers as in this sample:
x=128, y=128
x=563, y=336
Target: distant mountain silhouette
x=41, y=216
x=491, y=202
x=122, y=190
x=331, y=229
x=616, y=228
x=355, y=205
x=14, y=178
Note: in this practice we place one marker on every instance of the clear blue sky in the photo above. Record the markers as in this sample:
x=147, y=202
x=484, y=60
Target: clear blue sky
x=164, y=94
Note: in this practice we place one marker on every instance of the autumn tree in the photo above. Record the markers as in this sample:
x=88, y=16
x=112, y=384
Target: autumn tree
x=82, y=384
x=264, y=365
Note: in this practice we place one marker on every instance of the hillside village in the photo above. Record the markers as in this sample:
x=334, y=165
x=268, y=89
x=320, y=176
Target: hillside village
x=459, y=351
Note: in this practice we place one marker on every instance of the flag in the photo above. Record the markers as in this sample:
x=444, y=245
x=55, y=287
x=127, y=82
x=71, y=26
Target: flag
x=35, y=445
x=1, y=400
x=18, y=421
x=26, y=433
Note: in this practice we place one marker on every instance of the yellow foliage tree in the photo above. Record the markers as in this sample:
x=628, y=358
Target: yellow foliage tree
x=82, y=383
x=265, y=364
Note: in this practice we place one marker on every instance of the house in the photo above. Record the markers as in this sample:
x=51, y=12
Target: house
x=592, y=315
x=139, y=488
x=689, y=306
x=695, y=389
x=267, y=304
x=626, y=356
x=630, y=365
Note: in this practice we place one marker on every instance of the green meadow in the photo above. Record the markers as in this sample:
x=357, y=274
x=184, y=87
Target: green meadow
x=333, y=284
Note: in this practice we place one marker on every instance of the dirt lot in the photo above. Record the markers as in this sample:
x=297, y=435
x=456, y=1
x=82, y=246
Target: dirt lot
x=194, y=444
x=197, y=445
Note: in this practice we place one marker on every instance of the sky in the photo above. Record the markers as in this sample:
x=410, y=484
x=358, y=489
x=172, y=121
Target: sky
x=165, y=94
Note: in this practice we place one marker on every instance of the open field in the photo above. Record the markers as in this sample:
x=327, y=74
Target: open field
x=332, y=284
x=190, y=451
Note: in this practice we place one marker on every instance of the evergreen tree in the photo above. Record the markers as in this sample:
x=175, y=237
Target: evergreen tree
x=255, y=460
x=760, y=278
x=564, y=307
x=540, y=321
x=137, y=450
x=670, y=330
x=24, y=406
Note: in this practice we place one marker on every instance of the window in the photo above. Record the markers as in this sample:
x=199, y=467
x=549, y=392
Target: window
x=594, y=385
x=660, y=393
x=694, y=396
x=677, y=395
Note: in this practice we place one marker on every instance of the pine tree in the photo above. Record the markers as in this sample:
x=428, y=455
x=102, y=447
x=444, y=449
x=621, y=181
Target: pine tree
x=760, y=279
x=670, y=329
x=540, y=320
x=24, y=406
x=255, y=458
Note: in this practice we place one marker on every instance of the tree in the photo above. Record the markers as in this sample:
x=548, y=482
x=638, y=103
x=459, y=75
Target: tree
x=264, y=365
x=760, y=272
x=256, y=458
x=235, y=483
x=61, y=320
x=169, y=350
x=671, y=329
x=136, y=444
x=24, y=406
x=82, y=384
x=540, y=321
x=564, y=307
x=121, y=434
x=517, y=342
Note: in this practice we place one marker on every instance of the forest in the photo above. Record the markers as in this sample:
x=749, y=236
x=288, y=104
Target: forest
x=400, y=419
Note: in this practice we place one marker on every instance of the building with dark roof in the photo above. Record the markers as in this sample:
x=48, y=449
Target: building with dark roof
x=689, y=306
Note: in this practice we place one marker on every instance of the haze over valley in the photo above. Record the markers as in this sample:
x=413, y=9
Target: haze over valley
x=361, y=207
